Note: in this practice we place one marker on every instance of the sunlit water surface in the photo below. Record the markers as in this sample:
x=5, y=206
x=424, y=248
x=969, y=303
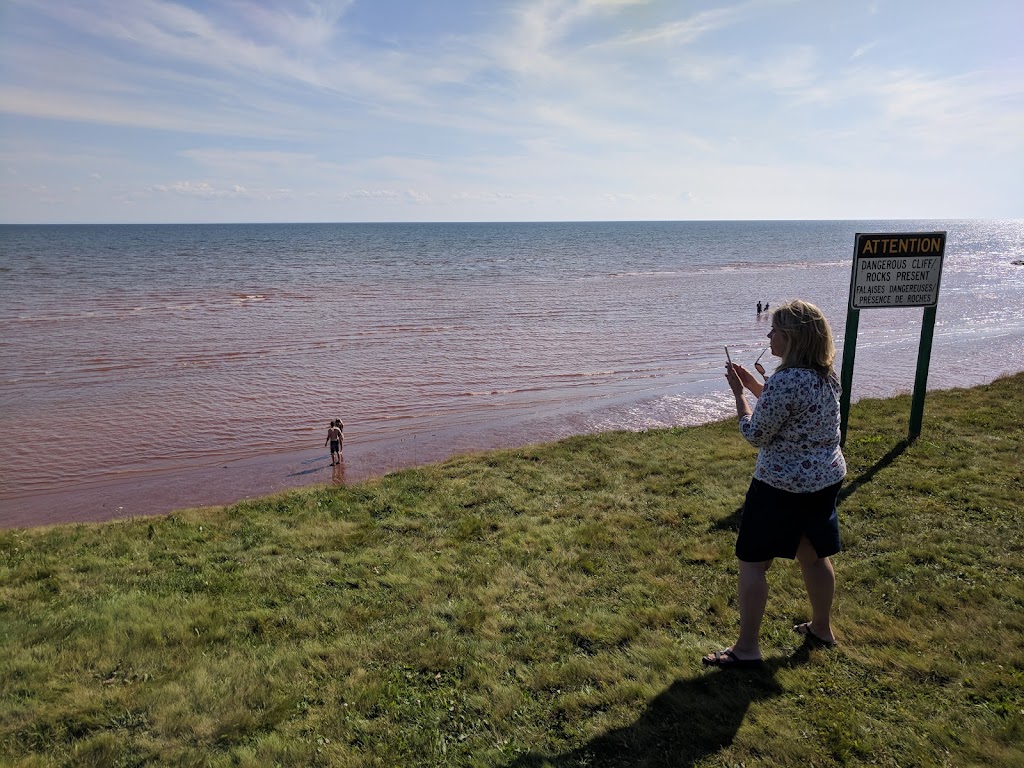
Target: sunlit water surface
x=203, y=363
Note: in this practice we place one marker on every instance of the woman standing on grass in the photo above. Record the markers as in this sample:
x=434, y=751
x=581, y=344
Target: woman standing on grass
x=790, y=508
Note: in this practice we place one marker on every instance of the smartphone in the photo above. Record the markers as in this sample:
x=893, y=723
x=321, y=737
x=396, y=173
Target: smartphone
x=728, y=356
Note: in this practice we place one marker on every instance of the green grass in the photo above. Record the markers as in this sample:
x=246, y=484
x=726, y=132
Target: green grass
x=532, y=607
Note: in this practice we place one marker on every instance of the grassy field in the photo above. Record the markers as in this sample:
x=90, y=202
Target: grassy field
x=546, y=606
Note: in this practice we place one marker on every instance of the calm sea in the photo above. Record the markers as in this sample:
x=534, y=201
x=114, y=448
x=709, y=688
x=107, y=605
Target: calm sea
x=144, y=368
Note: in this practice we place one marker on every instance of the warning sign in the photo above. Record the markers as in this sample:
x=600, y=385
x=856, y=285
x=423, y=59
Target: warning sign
x=897, y=270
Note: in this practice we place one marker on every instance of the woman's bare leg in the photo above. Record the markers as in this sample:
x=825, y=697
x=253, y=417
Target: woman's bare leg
x=820, y=581
x=753, y=596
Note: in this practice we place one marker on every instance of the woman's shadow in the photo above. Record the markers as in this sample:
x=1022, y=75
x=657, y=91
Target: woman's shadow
x=689, y=721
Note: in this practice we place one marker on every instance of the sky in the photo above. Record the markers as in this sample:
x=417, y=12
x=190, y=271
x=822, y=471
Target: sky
x=149, y=111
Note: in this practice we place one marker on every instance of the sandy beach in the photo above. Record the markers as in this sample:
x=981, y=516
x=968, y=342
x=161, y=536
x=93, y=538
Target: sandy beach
x=229, y=481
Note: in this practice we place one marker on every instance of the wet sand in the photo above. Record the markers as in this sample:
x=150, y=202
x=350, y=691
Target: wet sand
x=230, y=481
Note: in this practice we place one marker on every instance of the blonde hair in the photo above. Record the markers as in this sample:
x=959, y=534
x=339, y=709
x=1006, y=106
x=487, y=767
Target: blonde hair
x=808, y=337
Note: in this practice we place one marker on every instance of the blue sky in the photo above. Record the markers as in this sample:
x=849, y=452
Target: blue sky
x=509, y=110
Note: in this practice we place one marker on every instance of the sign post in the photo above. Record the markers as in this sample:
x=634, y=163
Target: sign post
x=892, y=271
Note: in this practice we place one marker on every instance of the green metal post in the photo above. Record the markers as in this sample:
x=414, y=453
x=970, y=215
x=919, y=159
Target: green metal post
x=924, y=356
x=849, y=352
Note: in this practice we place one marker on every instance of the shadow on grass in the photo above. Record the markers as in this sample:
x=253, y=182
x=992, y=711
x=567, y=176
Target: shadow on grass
x=691, y=720
x=730, y=523
x=878, y=466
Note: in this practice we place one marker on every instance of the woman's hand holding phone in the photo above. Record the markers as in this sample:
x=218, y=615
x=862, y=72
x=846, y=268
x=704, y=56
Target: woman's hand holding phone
x=748, y=380
x=732, y=375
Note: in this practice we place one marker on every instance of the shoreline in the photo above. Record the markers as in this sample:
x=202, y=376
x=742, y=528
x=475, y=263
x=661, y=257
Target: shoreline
x=230, y=481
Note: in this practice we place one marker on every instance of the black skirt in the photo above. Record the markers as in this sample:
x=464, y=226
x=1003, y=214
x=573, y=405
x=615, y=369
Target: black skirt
x=773, y=522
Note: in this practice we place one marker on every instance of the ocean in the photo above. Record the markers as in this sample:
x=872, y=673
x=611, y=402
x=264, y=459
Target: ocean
x=149, y=368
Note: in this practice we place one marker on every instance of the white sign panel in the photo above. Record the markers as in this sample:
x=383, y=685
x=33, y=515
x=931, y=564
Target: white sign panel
x=896, y=270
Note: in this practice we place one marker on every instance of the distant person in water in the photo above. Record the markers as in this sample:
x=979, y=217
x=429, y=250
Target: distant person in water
x=759, y=310
x=334, y=437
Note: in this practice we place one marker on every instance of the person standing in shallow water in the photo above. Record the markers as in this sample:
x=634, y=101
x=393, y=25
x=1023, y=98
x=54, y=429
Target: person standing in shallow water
x=790, y=507
x=334, y=437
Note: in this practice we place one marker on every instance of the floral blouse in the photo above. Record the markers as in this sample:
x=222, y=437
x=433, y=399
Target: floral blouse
x=796, y=426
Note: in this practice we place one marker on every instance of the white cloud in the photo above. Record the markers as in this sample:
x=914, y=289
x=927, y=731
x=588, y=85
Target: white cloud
x=860, y=50
x=176, y=38
x=239, y=161
x=315, y=29
x=371, y=194
x=492, y=197
x=944, y=114
x=206, y=190
x=788, y=70
x=193, y=189
x=93, y=108
x=689, y=29
x=683, y=31
x=180, y=34
x=608, y=106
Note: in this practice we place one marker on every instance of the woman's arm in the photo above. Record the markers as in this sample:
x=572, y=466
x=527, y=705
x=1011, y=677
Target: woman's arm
x=775, y=407
x=732, y=375
x=749, y=380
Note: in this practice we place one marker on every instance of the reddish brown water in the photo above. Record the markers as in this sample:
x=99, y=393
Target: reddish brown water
x=146, y=369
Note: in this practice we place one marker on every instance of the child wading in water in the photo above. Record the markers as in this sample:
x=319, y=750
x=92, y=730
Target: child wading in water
x=335, y=438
